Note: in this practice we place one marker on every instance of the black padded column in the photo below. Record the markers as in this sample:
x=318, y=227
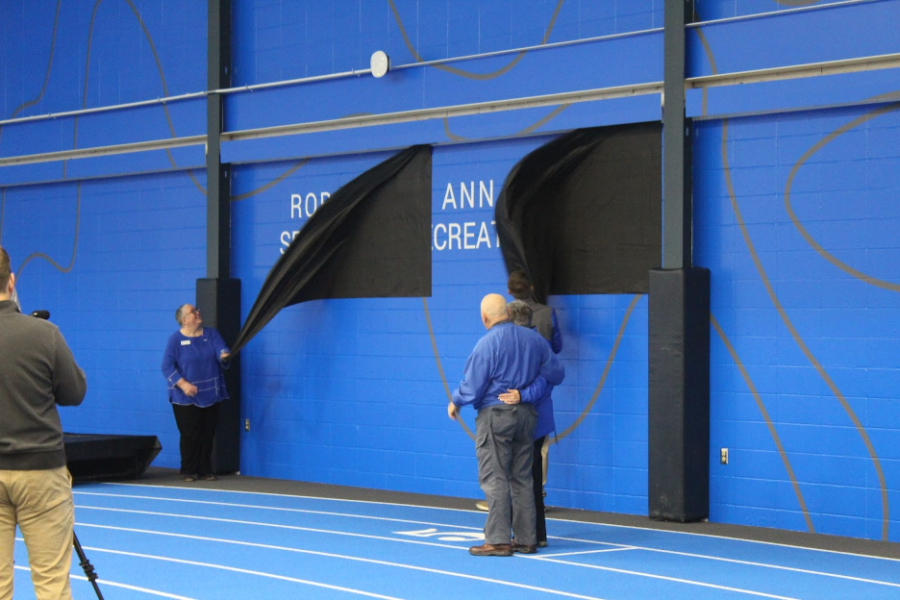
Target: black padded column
x=219, y=300
x=678, y=469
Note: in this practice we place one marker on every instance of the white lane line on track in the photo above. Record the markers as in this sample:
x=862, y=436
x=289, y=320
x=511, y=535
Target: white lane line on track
x=273, y=525
x=278, y=509
x=315, y=553
x=600, y=525
x=107, y=583
x=661, y=577
x=583, y=552
x=746, y=562
x=239, y=570
x=417, y=542
x=568, y=539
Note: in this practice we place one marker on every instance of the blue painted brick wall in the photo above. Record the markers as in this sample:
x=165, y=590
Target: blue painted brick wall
x=803, y=376
x=818, y=366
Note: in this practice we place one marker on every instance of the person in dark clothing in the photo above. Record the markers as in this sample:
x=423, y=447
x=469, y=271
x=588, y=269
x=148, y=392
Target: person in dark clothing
x=539, y=393
x=545, y=322
x=193, y=367
x=37, y=373
x=543, y=318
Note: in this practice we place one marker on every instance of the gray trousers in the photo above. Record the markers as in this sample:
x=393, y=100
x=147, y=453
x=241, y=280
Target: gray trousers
x=504, y=447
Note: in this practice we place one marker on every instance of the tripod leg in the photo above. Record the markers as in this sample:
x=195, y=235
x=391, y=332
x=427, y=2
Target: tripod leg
x=86, y=565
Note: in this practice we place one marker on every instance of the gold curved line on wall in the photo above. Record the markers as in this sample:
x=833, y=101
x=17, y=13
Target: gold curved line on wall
x=893, y=287
x=609, y=361
x=540, y=123
x=437, y=358
x=28, y=103
x=765, y=413
x=272, y=183
x=55, y=264
x=799, y=340
x=712, y=64
x=468, y=74
x=746, y=375
x=886, y=97
x=87, y=71
x=452, y=136
x=550, y=116
x=162, y=79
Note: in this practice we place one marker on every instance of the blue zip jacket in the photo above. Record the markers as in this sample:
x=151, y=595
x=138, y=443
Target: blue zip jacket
x=507, y=357
x=197, y=360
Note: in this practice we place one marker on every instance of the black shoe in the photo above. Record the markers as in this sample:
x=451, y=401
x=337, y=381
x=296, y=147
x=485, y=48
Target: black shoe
x=209, y=477
x=492, y=550
x=525, y=548
x=188, y=478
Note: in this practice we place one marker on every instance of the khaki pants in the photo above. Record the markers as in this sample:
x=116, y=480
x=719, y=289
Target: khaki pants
x=40, y=502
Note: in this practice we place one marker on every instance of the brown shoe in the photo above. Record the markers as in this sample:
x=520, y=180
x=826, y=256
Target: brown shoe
x=492, y=550
x=525, y=548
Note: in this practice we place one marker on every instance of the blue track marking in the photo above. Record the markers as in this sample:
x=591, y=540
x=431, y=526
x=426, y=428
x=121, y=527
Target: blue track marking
x=203, y=543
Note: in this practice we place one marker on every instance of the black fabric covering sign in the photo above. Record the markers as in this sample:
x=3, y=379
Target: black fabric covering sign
x=371, y=239
x=583, y=213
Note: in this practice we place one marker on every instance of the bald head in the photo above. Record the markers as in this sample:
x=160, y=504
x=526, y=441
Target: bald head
x=493, y=310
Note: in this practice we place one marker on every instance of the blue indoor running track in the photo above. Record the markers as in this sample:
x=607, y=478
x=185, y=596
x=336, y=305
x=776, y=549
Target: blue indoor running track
x=167, y=541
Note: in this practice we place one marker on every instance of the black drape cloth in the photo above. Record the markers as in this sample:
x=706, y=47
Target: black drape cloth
x=369, y=240
x=582, y=214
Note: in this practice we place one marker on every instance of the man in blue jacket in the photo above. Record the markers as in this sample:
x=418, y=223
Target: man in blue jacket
x=507, y=358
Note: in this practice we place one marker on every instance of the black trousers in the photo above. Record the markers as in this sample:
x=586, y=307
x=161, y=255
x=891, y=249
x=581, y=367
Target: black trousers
x=537, y=473
x=197, y=427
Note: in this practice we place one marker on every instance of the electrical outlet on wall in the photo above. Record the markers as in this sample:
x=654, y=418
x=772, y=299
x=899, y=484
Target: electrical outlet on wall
x=723, y=456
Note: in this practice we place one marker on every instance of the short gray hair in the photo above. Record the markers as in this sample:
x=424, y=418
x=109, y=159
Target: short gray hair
x=519, y=313
x=179, y=312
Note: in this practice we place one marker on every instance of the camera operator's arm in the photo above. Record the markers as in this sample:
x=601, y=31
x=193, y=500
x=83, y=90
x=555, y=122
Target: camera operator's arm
x=69, y=383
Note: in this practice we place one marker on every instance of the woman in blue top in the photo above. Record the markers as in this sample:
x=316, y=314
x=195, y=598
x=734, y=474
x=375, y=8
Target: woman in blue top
x=193, y=365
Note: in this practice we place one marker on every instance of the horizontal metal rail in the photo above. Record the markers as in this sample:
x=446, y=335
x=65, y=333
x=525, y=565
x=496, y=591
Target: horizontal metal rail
x=425, y=114
x=166, y=144
x=845, y=66
x=315, y=79
x=833, y=67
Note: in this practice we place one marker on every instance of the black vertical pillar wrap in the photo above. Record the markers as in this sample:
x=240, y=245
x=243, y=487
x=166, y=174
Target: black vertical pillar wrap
x=219, y=301
x=678, y=469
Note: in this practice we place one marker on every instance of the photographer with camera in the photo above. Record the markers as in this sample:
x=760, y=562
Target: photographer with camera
x=37, y=372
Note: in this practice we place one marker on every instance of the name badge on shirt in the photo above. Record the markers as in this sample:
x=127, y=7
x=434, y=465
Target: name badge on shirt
x=185, y=342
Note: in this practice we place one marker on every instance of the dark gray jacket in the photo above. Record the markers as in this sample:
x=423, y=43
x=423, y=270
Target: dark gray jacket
x=37, y=372
x=543, y=319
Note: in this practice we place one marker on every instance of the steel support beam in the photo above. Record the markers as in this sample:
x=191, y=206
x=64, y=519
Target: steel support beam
x=677, y=230
x=218, y=182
